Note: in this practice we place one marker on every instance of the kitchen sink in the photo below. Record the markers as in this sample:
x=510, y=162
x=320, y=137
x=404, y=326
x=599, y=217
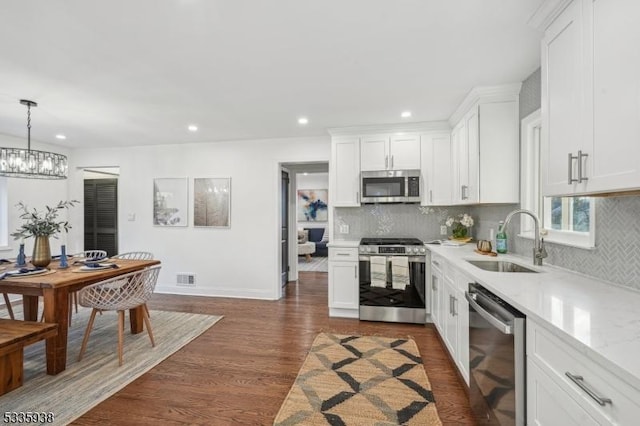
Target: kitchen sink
x=499, y=266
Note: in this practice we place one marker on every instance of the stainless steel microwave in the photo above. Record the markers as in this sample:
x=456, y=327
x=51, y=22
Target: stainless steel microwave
x=390, y=186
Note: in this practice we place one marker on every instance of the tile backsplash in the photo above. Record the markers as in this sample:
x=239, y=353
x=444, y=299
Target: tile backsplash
x=616, y=257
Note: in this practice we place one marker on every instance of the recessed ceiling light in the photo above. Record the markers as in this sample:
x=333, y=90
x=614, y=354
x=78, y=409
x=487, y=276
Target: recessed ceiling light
x=192, y=128
x=61, y=137
x=303, y=120
x=406, y=114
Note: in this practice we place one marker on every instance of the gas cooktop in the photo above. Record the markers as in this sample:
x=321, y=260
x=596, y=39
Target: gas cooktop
x=391, y=242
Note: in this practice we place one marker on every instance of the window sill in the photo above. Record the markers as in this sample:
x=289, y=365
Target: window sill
x=568, y=239
x=5, y=248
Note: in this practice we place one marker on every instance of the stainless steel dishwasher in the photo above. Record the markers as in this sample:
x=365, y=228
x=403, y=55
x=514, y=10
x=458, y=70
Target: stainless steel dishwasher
x=496, y=359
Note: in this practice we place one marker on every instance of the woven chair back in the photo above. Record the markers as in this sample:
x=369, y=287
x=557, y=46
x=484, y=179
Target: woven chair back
x=134, y=255
x=124, y=292
x=94, y=254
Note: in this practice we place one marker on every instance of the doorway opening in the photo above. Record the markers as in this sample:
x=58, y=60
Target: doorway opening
x=306, y=214
x=101, y=209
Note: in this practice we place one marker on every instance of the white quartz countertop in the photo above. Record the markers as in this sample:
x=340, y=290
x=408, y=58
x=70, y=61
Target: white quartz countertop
x=599, y=319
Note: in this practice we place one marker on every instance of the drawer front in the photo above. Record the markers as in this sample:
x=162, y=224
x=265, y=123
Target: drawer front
x=343, y=254
x=438, y=262
x=557, y=358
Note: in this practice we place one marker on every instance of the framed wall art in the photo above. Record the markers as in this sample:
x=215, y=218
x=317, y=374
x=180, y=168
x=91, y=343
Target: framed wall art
x=212, y=202
x=170, y=201
x=312, y=205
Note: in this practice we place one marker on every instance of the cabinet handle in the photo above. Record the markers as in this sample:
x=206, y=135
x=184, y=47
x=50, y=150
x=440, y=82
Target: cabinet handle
x=392, y=161
x=386, y=161
x=355, y=272
x=451, y=304
x=430, y=196
x=570, y=177
x=357, y=196
x=580, y=177
x=579, y=380
x=463, y=192
x=434, y=286
x=342, y=254
x=455, y=310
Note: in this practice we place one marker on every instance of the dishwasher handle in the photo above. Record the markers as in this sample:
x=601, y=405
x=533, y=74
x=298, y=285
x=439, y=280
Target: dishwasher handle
x=497, y=323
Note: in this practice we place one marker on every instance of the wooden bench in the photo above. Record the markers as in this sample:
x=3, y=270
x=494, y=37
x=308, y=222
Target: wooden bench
x=14, y=336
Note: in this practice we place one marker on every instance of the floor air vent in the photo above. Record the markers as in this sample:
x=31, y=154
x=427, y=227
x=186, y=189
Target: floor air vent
x=186, y=279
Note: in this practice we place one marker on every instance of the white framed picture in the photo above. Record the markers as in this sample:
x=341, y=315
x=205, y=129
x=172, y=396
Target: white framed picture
x=212, y=202
x=170, y=201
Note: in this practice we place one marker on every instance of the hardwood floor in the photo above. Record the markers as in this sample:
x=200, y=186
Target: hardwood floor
x=240, y=370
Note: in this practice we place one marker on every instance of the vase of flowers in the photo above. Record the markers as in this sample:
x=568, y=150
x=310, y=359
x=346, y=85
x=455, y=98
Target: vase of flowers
x=41, y=226
x=459, y=225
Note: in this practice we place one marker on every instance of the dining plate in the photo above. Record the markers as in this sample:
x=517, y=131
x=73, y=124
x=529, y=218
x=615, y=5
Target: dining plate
x=17, y=273
x=100, y=267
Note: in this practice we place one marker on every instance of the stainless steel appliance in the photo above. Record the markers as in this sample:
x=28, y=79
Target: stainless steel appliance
x=382, y=299
x=390, y=186
x=496, y=359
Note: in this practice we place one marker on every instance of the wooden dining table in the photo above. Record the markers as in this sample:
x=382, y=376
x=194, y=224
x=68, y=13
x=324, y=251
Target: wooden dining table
x=56, y=287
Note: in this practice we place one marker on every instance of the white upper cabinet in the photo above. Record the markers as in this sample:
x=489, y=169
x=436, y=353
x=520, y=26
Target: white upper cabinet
x=344, y=172
x=485, y=147
x=591, y=99
x=435, y=150
x=616, y=96
x=385, y=152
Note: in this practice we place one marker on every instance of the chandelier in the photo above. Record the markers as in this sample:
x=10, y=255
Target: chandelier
x=31, y=163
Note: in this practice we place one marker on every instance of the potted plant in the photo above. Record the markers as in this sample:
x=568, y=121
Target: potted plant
x=460, y=226
x=41, y=225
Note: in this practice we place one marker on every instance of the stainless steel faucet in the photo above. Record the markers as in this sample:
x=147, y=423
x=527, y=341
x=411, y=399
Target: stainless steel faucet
x=539, y=252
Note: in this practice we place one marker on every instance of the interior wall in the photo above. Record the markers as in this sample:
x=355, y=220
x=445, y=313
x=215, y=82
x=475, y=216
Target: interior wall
x=240, y=261
x=310, y=181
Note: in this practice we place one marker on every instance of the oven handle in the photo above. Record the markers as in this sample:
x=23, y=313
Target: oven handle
x=503, y=327
x=412, y=259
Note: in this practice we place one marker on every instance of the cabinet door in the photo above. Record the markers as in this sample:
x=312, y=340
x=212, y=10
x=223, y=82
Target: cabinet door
x=435, y=152
x=469, y=177
x=461, y=311
x=458, y=162
x=374, y=153
x=616, y=96
x=345, y=176
x=563, y=102
x=450, y=335
x=436, y=299
x=404, y=152
x=343, y=285
x=548, y=404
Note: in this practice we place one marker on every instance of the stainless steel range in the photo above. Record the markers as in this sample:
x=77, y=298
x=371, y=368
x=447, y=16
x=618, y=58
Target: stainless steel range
x=392, y=280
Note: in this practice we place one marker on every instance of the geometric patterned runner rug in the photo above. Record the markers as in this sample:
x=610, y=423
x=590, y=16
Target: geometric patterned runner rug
x=360, y=380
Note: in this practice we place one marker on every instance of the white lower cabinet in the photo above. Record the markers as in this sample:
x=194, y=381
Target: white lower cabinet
x=343, y=282
x=566, y=387
x=450, y=311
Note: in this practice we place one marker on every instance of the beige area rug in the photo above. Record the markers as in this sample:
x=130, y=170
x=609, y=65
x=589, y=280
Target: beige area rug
x=84, y=384
x=360, y=380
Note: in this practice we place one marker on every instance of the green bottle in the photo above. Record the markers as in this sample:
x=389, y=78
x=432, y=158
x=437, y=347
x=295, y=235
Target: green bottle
x=501, y=239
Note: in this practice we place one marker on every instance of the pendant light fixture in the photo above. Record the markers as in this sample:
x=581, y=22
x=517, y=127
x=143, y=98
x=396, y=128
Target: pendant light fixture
x=31, y=163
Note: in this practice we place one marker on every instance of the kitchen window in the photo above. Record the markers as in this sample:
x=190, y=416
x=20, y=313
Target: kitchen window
x=566, y=220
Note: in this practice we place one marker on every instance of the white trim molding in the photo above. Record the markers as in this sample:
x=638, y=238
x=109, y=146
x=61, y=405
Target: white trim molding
x=485, y=94
x=547, y=13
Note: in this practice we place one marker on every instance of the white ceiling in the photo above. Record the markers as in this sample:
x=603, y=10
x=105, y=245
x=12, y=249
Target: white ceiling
x=122, y=72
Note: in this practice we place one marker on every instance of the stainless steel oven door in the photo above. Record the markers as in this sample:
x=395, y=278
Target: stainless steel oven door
x=413, y=296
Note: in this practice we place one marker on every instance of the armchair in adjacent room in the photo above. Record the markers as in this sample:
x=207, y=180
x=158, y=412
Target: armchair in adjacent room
x=319, y=236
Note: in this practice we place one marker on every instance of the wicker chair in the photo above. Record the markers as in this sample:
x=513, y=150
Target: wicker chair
x=87, y=254
x=119, y=294
x=134, y=255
